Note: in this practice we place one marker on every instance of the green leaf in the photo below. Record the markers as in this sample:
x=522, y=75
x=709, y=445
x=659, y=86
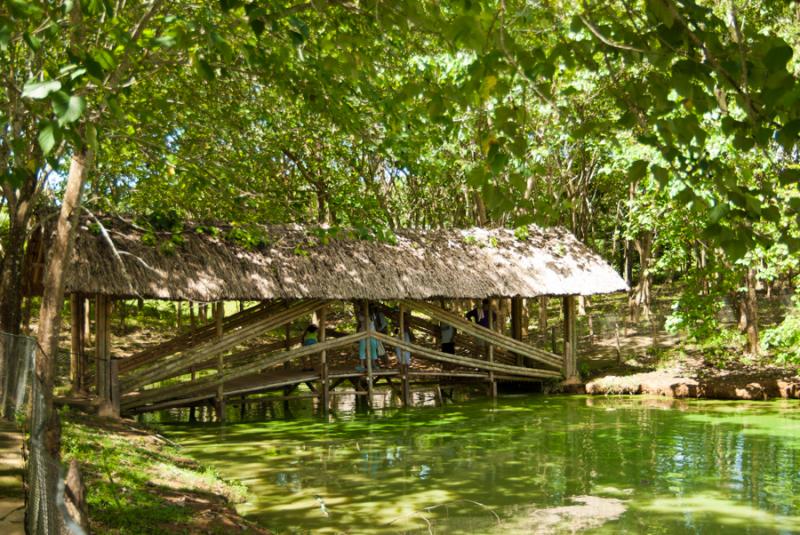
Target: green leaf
x=778, y=56
x=637, y=170
x=300, y=26
x=742, y=141
x=204, y=69
x=5, y=36
x=34, y=42
x=40, y=90
x=660, y=174
x=476, y=177
x=91, y=137
x=47, y=137
x=661, y=10
x=787, y=136
x=68, y=108
x=718, y=212
x=790, y=175
x=105, y=60
x=771, y=213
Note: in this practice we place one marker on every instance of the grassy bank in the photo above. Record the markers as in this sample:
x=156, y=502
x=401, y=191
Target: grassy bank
x=138, y=482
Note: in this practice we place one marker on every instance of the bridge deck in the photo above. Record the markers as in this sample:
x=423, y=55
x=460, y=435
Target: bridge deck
x=280, y=378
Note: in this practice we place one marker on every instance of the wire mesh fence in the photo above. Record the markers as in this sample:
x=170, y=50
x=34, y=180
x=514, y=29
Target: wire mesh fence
x=23, y=399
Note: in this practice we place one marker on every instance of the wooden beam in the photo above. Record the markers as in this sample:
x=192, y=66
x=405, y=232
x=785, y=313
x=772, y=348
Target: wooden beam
x=570, y=369
x=492, y=382
x=323, y=363
x=487, y=335
x=543, y=318
x=466, y=361
x=404, y=366
x=368, y=329
x=184, y=360
x=516, y=324
x=219, y=405
x=103, y=355
x=76, y=360
x=196, y=335
x=114, y=390
x=211, y=381
x=474, y=347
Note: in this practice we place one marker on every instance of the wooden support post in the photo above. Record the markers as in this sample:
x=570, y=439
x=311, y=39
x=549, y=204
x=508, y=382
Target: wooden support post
x=192, y=320
x=114, y=390
x=543, y=319
x=179, y=315
x=87, y=341
x=76, y=360
x=516, y=324
x=287, y=343
x=192, y=327
x=492, y=382
x=219, y=405
x=368, y=328
x=403, y=366
x=570, y=369
x=103, y=353
x=323, y=365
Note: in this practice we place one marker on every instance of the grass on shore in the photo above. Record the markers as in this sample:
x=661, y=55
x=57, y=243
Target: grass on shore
x=139, y=483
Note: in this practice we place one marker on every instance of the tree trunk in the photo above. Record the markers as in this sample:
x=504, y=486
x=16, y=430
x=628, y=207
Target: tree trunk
x=11, y=267
x=751, y=313
x=50, y=317
x=640, y=300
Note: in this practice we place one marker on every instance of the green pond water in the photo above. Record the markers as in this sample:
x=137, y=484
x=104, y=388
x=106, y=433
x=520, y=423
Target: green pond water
x=528, y=464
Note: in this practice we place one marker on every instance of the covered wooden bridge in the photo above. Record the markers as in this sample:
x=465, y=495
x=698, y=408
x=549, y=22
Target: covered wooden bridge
x=420, y=281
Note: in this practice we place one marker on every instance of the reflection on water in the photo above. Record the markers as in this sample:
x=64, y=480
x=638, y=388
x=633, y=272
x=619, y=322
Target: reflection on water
x=343, y=405
x=525, y=464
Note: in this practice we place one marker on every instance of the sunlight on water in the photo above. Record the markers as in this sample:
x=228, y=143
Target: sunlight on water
x=523, y=465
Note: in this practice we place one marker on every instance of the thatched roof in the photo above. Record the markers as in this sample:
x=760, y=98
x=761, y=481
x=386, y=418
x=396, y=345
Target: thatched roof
x=295, y=263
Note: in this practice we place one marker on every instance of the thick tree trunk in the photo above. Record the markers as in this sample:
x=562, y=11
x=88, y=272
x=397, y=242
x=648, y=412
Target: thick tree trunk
x=11, y=268
x=751, y=313
x=50, y=315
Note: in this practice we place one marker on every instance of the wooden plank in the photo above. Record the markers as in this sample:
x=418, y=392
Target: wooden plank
x=183, y=361
x=570, y=368
x=219, y=405
x=323, y=358
x=465, y=361
x=405, y=366
x=465, y=343
x=544, y=357
x=368, y=329
x=492, y=383
x=543, y=319
x=102, y=343
x=195, y=335
x=114, y=390
x=163, y=393
x=516, y=324
x=76, y=372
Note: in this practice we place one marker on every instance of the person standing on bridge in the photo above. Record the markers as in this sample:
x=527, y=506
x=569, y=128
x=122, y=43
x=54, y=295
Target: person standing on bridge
x=363, y=323
x=403, y=356
x=310, y=335
x=481, y=315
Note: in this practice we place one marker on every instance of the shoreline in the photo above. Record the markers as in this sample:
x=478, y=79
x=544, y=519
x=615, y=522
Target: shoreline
x=742, y=385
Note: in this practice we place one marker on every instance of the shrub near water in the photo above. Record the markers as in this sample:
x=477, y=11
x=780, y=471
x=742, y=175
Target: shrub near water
x=784, y=339
x=137, y=483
